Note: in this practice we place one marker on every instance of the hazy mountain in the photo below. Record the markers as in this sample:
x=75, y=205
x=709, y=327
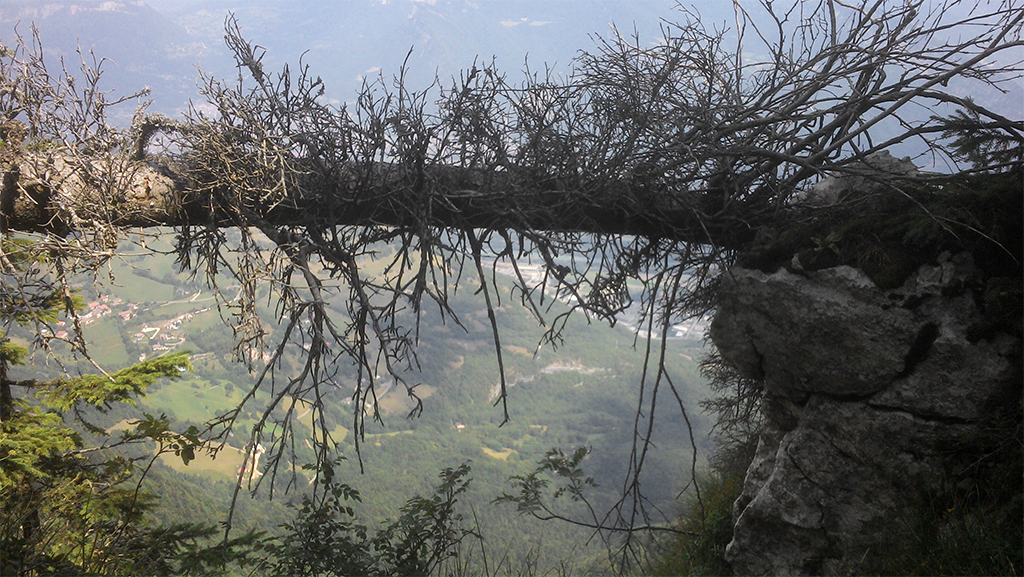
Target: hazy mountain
x=163, y=43
x=349, y=40
x=160, y=43
x=141, y=46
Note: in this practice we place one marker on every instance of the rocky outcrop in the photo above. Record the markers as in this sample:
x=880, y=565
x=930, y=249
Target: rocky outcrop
x=869, y=393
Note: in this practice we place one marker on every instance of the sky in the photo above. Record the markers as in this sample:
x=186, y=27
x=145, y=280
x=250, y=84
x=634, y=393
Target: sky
x=164, y=44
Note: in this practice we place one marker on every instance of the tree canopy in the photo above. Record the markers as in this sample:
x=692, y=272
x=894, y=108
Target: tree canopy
x=654, y=164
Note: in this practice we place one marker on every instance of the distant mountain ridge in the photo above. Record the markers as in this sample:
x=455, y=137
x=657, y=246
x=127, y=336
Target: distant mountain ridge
x=160, y=43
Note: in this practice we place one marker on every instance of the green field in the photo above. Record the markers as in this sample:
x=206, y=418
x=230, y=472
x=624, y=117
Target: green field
x=105, y=344
x=223, y=466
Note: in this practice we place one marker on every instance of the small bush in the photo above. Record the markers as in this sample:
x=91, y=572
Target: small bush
x=708, y=522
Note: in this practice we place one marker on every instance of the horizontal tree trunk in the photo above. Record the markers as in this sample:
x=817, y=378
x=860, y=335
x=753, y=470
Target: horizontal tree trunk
x=145, y=194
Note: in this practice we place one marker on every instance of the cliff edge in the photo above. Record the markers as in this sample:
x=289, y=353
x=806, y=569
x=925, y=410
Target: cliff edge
x=877, y=400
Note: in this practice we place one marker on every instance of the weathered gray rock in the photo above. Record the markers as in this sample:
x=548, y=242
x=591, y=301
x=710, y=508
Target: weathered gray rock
x=832, y=332
x=868, y=390
x=861, y=180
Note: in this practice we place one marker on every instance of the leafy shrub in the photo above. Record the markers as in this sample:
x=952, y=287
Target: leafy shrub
x=326, y=539
x=706, y=524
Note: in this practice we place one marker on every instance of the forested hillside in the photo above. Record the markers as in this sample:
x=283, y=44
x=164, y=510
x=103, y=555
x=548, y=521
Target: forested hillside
x=579, y=394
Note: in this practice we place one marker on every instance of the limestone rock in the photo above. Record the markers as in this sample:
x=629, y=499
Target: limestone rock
x=831, y=332
x=875, y=173
x=867, y=391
